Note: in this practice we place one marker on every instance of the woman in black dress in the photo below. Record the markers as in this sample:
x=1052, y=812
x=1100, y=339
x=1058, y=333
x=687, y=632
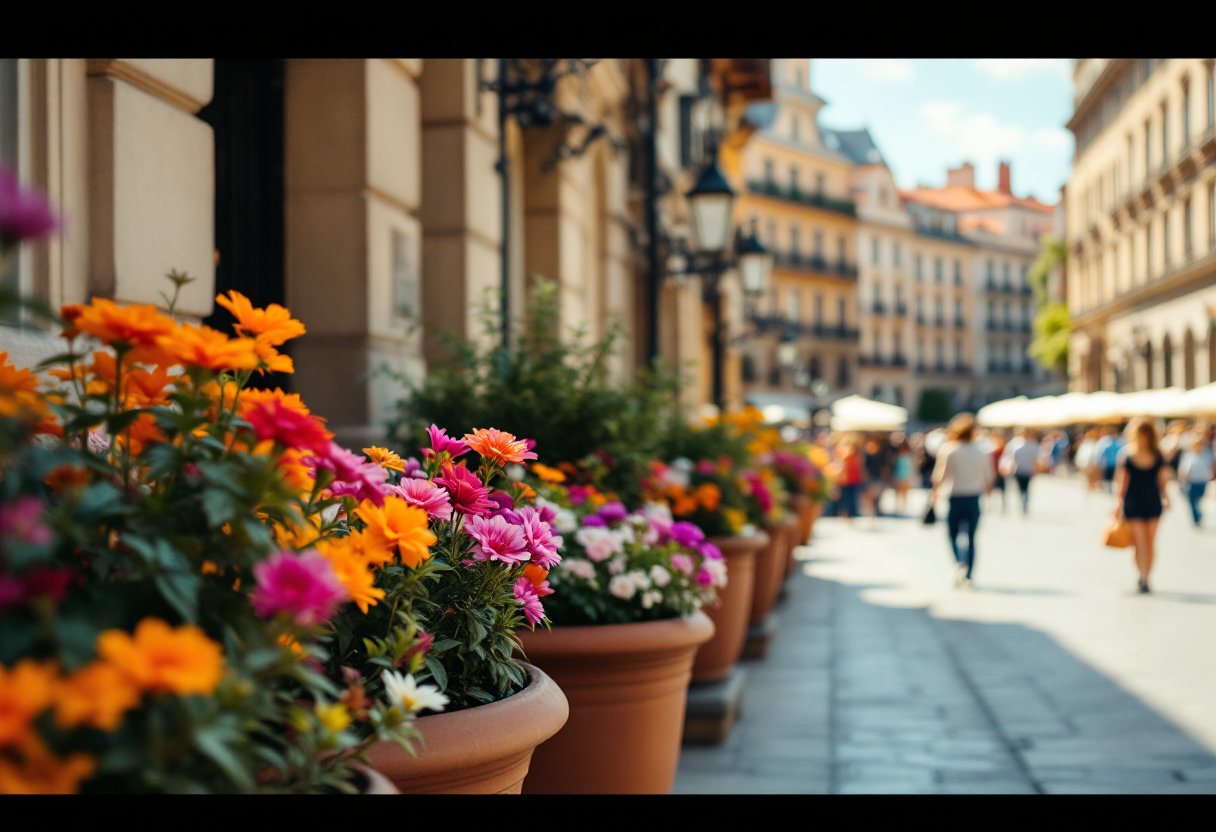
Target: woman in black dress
x=1140, y=478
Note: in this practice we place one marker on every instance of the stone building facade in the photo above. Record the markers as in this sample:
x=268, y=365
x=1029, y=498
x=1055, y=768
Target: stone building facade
x=1141, y=224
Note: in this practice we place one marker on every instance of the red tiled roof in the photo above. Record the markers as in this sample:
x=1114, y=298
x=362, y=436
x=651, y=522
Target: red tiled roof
x=986, y=223
x=959, y=198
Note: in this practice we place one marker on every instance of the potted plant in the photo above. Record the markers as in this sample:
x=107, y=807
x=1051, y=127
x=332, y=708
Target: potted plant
x=627, y=623
x=154, y=636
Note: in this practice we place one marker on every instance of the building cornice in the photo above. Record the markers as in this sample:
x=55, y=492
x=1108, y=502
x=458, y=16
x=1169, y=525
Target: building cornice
x=1113, y=69
x=121, y=70
x=1197, y=274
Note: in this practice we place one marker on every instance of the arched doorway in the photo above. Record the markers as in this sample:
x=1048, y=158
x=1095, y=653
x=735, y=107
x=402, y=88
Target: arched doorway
x=1167, y=361
x=1188, y=359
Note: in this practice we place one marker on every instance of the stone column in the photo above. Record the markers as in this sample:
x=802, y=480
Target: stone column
x=353, y=186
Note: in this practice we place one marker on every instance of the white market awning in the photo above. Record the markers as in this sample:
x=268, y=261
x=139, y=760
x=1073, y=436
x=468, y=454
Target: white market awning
x=860, y=413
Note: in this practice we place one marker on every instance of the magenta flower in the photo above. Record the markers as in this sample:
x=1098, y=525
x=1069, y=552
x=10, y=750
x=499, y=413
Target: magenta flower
x=683, y=563
x=427, y=496
x=686, y=534
x=596, y=521
x=24, y=215
x=441, y=442
x=613, y=512
x=577, y=495
x=705, y=577
x=760, y=491
x=539, y=540
x=354, y=476
x=413, y=470
x=528, y=596
x=12, y=591
x=705, y=468
x=496, y=540
x=22, y=520
x=466, y=491
x=709, y=551
x=303, y=586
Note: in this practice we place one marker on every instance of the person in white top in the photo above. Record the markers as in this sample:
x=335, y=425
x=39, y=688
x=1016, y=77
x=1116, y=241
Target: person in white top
x=1020, y=460
x=966, y=471
x=1196, y=470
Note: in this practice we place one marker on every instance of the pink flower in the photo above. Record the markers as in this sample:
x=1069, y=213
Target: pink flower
x=466, y=491
x=271, y=420
x=24, y=215
x=539, y=539
x=413, y=470
x=354, y=476
x=705, y=468
x=12, y=591
x=22, y=520
x=599, y=543
x=682, y=562
x=441, y=442
x=303, y=586
x=577, y=495
x=427, y=496
x=705, y=577
x=528, y=596
x=496, y=540
x=760, y=491
x=686, y=535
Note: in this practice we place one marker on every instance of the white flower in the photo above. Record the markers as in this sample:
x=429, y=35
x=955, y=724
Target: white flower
x=660, y=512
x=639, y=579
x=717, y=569
x=649, y=599
x=748, y=530
x=599, y=542
x=684, y=464
x=624, y=534
x=330, y=514
x=404, y=691
x=680, y=479
x=579, y=568
x=660, y=576
x=516, y=472
x=566, y=521
x=616, y=566
x=622, y=587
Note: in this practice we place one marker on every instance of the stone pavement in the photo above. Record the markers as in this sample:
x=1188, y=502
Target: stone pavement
x=1053, y=675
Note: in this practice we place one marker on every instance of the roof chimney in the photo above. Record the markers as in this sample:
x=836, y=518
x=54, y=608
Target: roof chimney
x=1003, y=179
x=962, y=176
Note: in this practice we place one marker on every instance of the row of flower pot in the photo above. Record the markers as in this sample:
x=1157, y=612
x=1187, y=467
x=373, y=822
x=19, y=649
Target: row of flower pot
x=604, y=711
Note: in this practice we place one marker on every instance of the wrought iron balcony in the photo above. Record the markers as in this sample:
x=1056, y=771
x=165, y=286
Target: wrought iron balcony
x=815, y=263
x=813, y=199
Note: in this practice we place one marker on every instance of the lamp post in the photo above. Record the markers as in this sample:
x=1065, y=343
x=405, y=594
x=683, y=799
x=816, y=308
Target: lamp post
x=711, y=203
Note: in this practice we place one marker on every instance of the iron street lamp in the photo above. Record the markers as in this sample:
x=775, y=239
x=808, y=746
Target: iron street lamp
x=711, y=203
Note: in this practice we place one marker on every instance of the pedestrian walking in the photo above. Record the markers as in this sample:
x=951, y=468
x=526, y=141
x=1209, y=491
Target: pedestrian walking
x=1196, y=468
x=1106, y=454
x=966, y=471
x=996, y=449
x=851, y=475
x=1140, y=478
x=874, y=461
x=1020, y=460
x=1173, y=444
x=902, y=475
x=1085, y=459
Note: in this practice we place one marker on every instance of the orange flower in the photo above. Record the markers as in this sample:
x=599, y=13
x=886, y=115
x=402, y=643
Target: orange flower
x=396, y=525
x=498, y=446
x=547, y=474
x=386, y=459
x=26, y=690
x=272, y=326
x=142, y=433
x=535, y=574
x=202, y=346
x=274, y=360
x=352, y=570
x=163, y=659
x=295, y=537
x=291, y=401
x=135, y=325
x=67, y=478
x=97, y=695
x=288, y=643
x=146, y=388
x=708, y=494
x=684, y=506
x=38, y=771
x=18, y=391
x=295, y=474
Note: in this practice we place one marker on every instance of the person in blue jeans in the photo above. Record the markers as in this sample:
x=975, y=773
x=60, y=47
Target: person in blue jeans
x=1195, y=471
x=966, y=470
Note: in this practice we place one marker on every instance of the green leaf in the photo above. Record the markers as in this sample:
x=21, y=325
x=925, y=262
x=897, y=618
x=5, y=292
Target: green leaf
x=437, y=672
x=219, y=506
x=180, y=589
x=444, y=645
x=212, y=743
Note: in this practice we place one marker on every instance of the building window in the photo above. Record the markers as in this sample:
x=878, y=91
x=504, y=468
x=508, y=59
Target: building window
x=794, y=241
x=1187, y=237
x=1148, y=249
x=794, y=126
x=1186, y=112
x=958, y=273
x=1025, y=312
x=1008, y=355
x=819, y=183
x=768, y=172
x=1165, y=133
x=817, y=242
x=877, y=343
x=958, y=309
x=896, y=343
x=939, y=354
x=877, y=258
x=818, y=308
x=991, y=272
x=793, y=306
x=920, y=267
x=937, y=269
x=895, y=254
x=920, y=309
x=842, y=311
x=991, y=314
x=1165, y=239
x=1025, y=275
x=937, y=311
x=794, y=180
x=1005, y=275
x=920, y=350
x=1005, y=313
x=958, y=353
x=841, y=249
x=1148, y=151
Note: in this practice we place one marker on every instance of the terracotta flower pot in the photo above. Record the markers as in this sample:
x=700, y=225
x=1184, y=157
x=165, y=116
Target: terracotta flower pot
x=482, y=750
x=627, y=685
x=718, y=655
x=808, y=511
x=769, y=571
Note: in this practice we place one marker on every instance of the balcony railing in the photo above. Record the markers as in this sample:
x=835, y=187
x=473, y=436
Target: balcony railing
x=815, y=263
x=882, y=361
x=815, y=200
x=878, y=308
x=799, y=329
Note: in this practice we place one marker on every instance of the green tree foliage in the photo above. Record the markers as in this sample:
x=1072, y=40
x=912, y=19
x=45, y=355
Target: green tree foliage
x=552, y=389
x=935, y=406
x=1052, y=324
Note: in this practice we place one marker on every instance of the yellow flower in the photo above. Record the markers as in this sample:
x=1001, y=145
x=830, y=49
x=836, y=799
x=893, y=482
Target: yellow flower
x=546, y=473
x=399, y=525
x=26, y=690
x=290, y=536
x=385, y=458
x=163, y=659
x=352, y=570
x=96, y=695
x=334, y=718
x=736, y=518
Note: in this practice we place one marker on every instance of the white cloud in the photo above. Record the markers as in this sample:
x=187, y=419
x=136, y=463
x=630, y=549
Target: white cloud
x=1014, y=69
x=977, y=137
x=1054, y=139
x=887, y=69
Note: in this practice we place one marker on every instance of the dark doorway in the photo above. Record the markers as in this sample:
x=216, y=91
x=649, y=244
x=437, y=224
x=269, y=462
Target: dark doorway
x=246, y=113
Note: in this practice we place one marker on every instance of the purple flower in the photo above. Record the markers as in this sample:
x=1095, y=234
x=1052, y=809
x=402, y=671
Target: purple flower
x=547, y=513
x=613, y=512
x=709, y=551
x=413, y=470
x=24, y=215
x=303, y=586
x=539, y=539
x=705, y=468
x=595, y=520
x=22, y=520
x=441, y=442
x=496, y=540
x=686, y=534
x=354, y=476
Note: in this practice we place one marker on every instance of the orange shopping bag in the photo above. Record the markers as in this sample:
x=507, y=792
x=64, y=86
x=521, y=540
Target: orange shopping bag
x=1117, y=534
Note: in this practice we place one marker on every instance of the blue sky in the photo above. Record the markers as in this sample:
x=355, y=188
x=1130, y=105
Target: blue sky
x=929, y=114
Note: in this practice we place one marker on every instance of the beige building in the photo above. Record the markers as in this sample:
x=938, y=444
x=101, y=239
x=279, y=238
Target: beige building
x=1141, y=224
x=385, y=201
x=796, y=184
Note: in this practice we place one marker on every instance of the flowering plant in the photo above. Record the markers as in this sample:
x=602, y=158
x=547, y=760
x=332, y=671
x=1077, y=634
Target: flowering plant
x=156, y=632
x=621, y=567
x=473, y=565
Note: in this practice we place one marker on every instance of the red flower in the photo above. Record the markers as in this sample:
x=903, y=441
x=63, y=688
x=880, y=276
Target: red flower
x=467, y=493
x=287, y=427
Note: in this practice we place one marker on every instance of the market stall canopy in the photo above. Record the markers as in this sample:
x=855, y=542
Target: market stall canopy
x=1200, y=402
x=1001, y=414
x=1098, y=408
x=860, y=413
